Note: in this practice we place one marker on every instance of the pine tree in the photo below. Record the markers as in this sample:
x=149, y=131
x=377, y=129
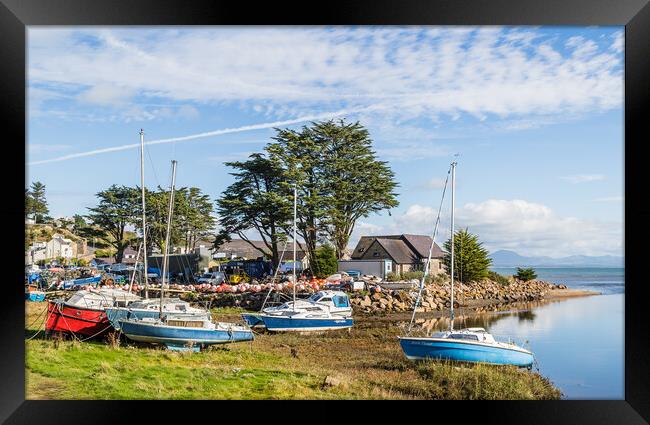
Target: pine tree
x=326, y=260
x=471, y=260
x=35, y=202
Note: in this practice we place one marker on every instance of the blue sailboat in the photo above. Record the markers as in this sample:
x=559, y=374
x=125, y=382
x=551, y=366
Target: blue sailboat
x=181, y=333
x=173, y=329
x=324, y=310
x=467, y=345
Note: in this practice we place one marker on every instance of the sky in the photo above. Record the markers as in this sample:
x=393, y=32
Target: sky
x=532, y=115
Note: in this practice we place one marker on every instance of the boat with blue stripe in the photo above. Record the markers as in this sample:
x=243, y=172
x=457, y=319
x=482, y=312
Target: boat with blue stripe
x=466, y=345
x=150, y=308
x=179, y=332
x=297, y=324
x=324, y=310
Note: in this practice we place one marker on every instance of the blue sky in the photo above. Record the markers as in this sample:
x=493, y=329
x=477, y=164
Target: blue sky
x=535, y=114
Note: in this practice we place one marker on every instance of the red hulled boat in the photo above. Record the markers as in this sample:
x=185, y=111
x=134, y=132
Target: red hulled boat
x=84, y=313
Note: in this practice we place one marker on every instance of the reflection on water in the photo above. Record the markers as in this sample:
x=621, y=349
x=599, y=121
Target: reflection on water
x=578, y=342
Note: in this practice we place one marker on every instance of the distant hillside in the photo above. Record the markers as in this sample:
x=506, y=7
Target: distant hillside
x=505, y=258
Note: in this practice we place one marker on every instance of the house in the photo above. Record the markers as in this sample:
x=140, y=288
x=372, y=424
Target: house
x=406, y=252
x=240, y=249
x=130, y=255
x=60, y=246
x=36, y=252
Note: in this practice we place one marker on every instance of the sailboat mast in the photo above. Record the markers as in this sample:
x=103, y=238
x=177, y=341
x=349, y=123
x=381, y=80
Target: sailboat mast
x=453, y=201
x=169, y=225
x=144, y=215
x=295, y=210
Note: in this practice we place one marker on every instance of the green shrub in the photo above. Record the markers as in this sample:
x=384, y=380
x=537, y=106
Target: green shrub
x=526, y=274
x=103, y=253
x=496, y=277
x=413, y=275
x=392, y=277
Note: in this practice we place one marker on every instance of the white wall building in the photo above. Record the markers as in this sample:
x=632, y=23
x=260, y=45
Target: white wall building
x=59, y=246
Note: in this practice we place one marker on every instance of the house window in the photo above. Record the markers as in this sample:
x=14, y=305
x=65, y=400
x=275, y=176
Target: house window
x=375, y=254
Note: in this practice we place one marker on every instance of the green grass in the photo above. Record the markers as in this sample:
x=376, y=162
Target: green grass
x=367, y=361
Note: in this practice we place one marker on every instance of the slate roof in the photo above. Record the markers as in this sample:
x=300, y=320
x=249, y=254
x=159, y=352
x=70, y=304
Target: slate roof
x=421, y=245
x=398, y=250
x=404, y=249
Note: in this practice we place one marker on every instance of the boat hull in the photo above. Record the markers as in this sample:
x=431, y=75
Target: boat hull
x=114, y=315
x=179, y=336
x=442, y=349
x=288, y=324
x=86, y=322
x=67, y=284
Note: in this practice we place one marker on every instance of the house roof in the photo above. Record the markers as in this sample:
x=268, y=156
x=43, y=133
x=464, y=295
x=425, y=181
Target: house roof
x=398, y=250
x=242, y=248
x=288, y=255
x=421, y=244
x=417, y=246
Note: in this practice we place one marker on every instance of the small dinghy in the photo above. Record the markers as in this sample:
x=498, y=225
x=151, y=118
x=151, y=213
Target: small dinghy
x=35, y=296
x=465, y=345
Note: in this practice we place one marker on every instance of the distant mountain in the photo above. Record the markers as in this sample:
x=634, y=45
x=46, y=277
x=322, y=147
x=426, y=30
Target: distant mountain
x=505, y=258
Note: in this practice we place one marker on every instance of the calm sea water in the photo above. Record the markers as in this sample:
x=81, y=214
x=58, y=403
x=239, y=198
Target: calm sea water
x=578, y=342
x=601, y=279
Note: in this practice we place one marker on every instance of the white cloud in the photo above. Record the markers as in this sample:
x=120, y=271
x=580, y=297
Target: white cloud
x=106, y=95
x=406, y=72
x=583, y=178
x=434, y=183
x=534, y=229
x=526, y=227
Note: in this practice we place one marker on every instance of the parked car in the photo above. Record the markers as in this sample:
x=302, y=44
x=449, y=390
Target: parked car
x=356, y=274
x=214, y=278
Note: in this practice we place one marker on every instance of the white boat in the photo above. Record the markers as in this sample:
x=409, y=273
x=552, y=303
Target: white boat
x=324, y=310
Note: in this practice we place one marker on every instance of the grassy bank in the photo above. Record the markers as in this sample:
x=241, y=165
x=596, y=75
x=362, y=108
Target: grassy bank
x=364, y=363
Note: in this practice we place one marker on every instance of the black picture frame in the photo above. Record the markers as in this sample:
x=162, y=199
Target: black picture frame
x=15, y=15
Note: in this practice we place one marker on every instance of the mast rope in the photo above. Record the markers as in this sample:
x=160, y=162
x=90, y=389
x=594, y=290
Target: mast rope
x=426, y=267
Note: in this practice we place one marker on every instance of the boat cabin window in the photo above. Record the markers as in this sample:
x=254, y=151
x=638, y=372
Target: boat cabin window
x=341, y=301
x=325, y=300
x=315, y=297
x=464, y=336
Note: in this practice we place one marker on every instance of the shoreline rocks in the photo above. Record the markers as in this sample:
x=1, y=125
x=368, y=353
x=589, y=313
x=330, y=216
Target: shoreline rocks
x=438, y=296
